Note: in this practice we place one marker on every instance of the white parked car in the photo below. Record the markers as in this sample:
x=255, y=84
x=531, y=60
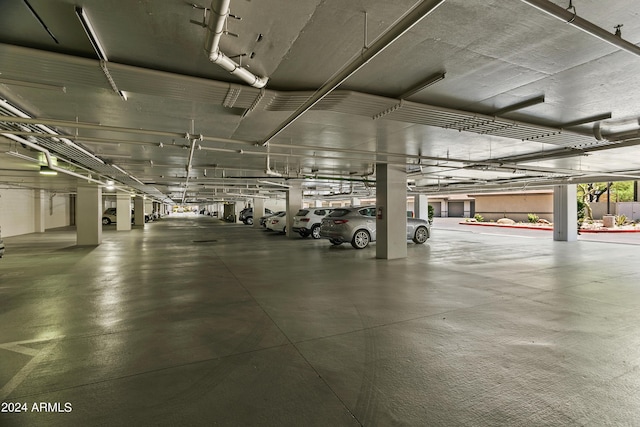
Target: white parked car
x=278, y=222
x=307, y=221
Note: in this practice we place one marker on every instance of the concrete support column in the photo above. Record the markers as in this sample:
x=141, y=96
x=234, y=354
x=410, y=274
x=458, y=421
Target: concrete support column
x=444, y=209
x=294, y=203
x=148, y=206
x=123, y=211
x=421, y=206
x=467, y=208
x=565, y=213
x=355, y=201
x=88, y=215
x=40, y=207
x=258, y=211
x=318, y=204
x=391, y=200
x=138, y=211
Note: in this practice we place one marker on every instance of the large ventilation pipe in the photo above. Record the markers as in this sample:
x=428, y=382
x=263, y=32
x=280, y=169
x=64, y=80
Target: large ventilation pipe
x=215, y=29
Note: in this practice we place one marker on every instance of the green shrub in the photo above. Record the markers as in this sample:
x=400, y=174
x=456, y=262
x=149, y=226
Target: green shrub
x=479, y=218
x=581, y=210
x=533, y=218
x=620, y=219
x=430, y=212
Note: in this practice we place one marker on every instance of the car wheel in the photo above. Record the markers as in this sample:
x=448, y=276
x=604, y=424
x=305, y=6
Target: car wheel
x=421, y=235
x=335, y=242
x=284, y=230
x=249, y=221
x=315, y=231
x=106, y=221
x=360, y=239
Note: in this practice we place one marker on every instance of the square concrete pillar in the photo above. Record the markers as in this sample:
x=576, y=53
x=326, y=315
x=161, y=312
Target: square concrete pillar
x=89, y=215
x=258, y=211
x=444, y=208
x=391, y=198
x=467, y=209
x=355, y=201
x=294, y=204
x=565, y=213
x=421, y=206
x=317, y=203
x=138, y=211
x=123, y=211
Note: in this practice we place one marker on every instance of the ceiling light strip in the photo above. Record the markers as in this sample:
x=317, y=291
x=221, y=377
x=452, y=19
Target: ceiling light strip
x=91, y=33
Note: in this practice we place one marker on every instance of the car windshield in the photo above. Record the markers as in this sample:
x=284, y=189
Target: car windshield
x=368, y=211
x=302, y=212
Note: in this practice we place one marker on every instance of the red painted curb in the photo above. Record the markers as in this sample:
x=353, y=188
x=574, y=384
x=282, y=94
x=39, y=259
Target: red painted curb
x=526, y=227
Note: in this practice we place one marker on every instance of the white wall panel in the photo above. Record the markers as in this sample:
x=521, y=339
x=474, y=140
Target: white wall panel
x=17, y=214
x=57, y=211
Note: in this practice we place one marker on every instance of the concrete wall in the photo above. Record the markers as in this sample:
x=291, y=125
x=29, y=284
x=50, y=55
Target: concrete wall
x=630, y=209
x=57, y=211
x=515, y=205
x=18, y=215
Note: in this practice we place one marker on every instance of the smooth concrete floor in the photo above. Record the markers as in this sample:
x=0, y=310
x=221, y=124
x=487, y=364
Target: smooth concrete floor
x=191, y=321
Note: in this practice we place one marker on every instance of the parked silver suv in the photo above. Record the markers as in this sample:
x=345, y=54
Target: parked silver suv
x=358, y=226
x=307, y=221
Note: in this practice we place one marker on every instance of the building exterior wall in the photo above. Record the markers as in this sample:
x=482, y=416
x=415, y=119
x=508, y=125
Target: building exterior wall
x=516, y=206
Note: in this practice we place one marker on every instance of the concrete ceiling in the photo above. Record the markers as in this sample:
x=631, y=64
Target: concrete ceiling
x=455, y=135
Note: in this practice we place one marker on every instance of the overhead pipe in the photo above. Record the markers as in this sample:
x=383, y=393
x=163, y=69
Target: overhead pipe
x=215, y=30
x=393, y=33
x=571, y=18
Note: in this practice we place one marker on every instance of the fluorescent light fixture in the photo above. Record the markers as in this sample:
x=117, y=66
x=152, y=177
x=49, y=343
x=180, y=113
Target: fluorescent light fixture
x=277, y=184
x=46, y=170
x=21, y=156
x=431, y=80
x=34, y=85
x=91, y=33
x=520, y=105
x=246, y=196
x=4, y=104
x=586, y=120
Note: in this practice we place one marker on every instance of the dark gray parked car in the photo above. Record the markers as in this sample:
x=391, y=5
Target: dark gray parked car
x=1, y=245
x=357, y=225
x=246, y=215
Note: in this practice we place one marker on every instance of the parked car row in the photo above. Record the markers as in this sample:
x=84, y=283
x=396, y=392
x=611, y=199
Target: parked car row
x=355, y=225
x=246, y=215
x=109, y=216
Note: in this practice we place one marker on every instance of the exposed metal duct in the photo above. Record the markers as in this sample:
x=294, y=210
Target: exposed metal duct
x=215, y=29
x=393, y=33
x=571, y=18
